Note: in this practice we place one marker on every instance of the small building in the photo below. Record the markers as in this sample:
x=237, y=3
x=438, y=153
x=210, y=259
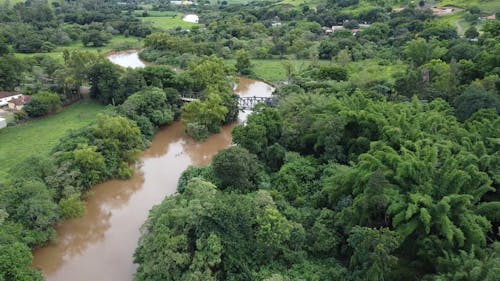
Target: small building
x=5, y=97
x=3, y=123
x=492, y=17
x=355, y=31
x=442, y=11
x=18, y=103
x=337, y=27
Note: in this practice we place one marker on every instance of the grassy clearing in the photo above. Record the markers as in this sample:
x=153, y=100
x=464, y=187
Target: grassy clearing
x=274, y=70
x=360, y=72
x=486, y=6
x=117, y=43
x=167, y=20
x=462, y=26
x=13, y=2
x=299, y=2
x=37, y=137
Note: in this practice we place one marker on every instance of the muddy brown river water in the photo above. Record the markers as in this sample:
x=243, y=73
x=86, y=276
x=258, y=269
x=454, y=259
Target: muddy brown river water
x=100, y=245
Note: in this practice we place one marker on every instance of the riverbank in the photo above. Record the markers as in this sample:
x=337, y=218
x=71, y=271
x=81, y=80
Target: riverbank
x=100, y=245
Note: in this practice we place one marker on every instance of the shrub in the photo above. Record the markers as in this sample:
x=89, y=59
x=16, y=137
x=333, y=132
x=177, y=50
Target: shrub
x=42, y=104
x=197, y=131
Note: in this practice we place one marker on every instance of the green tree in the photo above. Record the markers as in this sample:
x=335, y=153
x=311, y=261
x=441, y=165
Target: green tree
x=149, y=108
x=42, y=104
x=473, y=99
x=15, y=263
x=372, y=257
x=236, y=169
x=104, y=79
x=471, y=33
x=30, y=203
x=243, y=64
x=11, y=70
x=209, y=113
x=419, y=51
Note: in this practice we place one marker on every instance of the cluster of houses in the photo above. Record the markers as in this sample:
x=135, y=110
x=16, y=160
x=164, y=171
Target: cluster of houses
x=331, y=30
x=12, y=101
x=186, y=3
x=435, y=11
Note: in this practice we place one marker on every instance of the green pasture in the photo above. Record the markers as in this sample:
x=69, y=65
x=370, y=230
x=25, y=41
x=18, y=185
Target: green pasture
x=37, y=137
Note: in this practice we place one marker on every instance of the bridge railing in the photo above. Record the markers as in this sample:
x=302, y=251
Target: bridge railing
x=243, y=102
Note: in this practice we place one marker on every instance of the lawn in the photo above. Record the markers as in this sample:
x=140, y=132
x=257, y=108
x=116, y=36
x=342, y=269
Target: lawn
x=37, y=137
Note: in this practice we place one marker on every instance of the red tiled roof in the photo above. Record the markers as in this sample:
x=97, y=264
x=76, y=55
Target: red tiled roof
x=21, y=100
x=8, y=94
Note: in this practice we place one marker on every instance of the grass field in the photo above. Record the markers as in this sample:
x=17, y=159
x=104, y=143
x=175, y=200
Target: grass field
x=117, y=43
x=165, y=19
x=37, y=137
x=486, y=6
x=274, y=70
x=360, y=73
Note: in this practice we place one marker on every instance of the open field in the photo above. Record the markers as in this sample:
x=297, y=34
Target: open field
x=360, y=72
x=274, y=70
x=117, y=43
x=486, y=6
x=37, y=137
x=13, y=2
x=165, y=19
x=364, y=72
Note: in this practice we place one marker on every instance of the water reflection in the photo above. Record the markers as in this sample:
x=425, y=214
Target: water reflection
x=128, y=58
x=75, y=236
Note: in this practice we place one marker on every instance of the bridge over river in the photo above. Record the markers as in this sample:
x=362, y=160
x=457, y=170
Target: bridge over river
x=243, y=102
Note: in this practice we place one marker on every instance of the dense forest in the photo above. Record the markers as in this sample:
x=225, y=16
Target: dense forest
x=381, y=160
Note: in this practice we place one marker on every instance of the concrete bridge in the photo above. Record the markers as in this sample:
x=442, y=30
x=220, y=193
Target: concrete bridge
x=243, y=102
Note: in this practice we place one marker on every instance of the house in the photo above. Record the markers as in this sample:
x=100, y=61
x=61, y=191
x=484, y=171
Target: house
x=337, y=27
x=5, y=97
x=354, y=31
x=492, y=17
x=442, y=11
x=18, y=103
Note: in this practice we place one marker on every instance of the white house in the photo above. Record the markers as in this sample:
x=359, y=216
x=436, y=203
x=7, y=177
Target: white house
x=5, y=97
x=337, y=27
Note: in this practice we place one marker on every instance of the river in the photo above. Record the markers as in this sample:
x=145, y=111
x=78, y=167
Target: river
x=100, y=245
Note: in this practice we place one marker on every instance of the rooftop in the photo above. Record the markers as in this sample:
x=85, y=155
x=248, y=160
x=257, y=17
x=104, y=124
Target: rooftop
x=8, y=94
x=21, y=100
